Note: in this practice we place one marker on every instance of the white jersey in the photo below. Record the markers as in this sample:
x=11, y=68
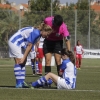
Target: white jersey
x=78, y=49
x=41, y=42
x=20, y=40
x=20, y=37
x=69, y=73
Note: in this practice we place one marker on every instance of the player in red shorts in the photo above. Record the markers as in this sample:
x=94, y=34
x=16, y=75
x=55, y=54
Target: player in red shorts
x=40, y=55
x=78, y=51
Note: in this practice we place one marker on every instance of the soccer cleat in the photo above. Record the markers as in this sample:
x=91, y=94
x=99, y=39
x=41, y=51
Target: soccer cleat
x=79, y=68
x=18, y=85
x=47, y=85
x=25, y=85
x=28, y=85
x=33, y=71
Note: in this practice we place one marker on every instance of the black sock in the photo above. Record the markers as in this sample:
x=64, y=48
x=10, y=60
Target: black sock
x=47, y=69
x=58, y=69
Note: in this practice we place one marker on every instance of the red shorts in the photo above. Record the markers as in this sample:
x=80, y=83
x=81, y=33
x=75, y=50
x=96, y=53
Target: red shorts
x=79, y=56
x=40, y=53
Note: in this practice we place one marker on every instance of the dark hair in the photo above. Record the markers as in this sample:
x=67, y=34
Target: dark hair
x=69, y=54
x=58, y=20
x=77, y=41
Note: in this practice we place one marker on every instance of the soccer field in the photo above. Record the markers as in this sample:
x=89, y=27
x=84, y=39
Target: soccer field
x=87, y=87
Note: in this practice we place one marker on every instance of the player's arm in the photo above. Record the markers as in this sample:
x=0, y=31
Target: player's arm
x=82, y=50
x=62, y=68
x=66, y=36
x=28, y=49
x=67, y=42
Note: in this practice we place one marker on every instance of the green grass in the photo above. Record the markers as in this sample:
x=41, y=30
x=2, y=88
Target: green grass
x=87, y=87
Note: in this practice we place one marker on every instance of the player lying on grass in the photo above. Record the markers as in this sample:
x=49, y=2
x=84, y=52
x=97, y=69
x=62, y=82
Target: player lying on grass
x=67, y=70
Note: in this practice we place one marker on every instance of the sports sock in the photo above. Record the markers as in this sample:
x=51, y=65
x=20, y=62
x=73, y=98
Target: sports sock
x=37, y=67
x=49, y=81
x=22, y=74
x=32, y=65
x=17, y=72
x=18, y=75
x=58, y=69
x=47, y=69
x=39, y=82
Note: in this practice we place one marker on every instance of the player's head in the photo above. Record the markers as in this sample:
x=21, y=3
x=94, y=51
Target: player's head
x=65, y=52
x=46, y=30
x=58, y=20
x=78, y=42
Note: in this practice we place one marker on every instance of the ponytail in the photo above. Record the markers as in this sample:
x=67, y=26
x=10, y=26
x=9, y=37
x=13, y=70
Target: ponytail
x=69, y=54
x=71, y=57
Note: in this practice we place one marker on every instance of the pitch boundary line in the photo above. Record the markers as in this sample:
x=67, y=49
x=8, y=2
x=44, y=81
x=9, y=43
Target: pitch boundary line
x=50, y=89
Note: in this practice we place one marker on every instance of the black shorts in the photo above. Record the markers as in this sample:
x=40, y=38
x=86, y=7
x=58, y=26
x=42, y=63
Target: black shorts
x=52, y=46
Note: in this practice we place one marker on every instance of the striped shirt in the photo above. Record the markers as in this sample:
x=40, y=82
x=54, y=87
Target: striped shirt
x=69, y=73
x=24, y=36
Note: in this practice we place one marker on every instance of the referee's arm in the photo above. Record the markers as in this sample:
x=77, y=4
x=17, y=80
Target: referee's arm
x=67, y=42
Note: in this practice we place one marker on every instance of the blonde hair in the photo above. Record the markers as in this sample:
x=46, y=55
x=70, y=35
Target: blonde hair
x=44, y=27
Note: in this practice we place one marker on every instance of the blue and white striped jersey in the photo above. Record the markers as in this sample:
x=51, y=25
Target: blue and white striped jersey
x=69, y=73
x=24, y=36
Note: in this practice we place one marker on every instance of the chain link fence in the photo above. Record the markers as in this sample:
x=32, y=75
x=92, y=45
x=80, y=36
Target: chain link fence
x=77, y=22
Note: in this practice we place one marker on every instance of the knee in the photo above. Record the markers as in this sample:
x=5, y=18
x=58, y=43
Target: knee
x=49, y=74
x=48, y=61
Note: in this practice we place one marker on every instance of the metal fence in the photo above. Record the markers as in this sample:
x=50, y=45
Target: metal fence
x=81, y=25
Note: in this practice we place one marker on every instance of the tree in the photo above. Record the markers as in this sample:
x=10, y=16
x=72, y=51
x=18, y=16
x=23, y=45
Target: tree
x=43, y=5
x=8, y=25
x=82, y=5
x=39, y=9
x=40, y=5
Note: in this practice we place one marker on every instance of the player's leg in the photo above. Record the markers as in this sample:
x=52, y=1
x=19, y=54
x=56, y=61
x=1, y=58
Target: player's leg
x=48, y=57
x=80, y=59
x=57, y=53
x=77, y=61
x=37, y=65
x=48, y=78
x=33, y=65
x=58, y=61
x=40, y=56
x=16, y=53
x=52, y=76
x=40, y=65
x=19, y=71
x=32, y=56
x=48, y=49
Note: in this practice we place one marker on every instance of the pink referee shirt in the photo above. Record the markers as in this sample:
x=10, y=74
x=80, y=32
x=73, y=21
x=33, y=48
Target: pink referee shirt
x=58, y=33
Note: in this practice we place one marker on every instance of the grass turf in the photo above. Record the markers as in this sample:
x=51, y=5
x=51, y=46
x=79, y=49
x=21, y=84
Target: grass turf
x=87, y=87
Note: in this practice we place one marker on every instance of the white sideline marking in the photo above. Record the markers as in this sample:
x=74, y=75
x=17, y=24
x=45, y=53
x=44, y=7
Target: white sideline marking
x=51, y=89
